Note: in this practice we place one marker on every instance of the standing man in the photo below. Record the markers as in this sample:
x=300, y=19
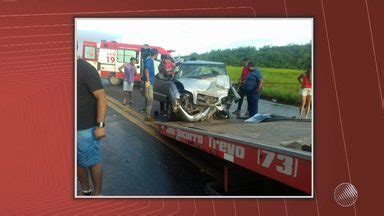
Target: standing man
x=129, y=79
x=149, y=79
x=244, y=75
x=253, y=86
x=91, y=112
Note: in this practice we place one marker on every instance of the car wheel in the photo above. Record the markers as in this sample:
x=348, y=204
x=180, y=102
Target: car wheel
x=114, y=81
x=222, y=115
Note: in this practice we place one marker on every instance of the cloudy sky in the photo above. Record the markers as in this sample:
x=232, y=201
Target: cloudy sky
x=197, y=35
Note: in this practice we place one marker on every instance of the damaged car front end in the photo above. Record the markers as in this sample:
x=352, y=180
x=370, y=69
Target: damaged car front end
x=200, y=90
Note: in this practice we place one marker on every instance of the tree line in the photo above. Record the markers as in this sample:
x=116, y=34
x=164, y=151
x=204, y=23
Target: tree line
x=290, y=56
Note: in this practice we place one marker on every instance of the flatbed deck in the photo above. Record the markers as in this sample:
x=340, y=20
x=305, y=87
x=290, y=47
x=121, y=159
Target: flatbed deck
x=269, y=134
x=260, y=147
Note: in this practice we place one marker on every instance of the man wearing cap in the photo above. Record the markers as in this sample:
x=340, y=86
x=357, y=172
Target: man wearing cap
x=149, y=79
x=129, y=79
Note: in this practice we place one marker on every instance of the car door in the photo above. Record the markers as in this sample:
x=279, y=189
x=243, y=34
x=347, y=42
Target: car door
x=161, y=88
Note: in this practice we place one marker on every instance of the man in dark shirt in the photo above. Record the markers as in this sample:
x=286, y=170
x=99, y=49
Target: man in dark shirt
x=253, y=86
x=244, y=75
x=91, y=111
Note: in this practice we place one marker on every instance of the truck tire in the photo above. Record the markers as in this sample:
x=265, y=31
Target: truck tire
x=113, y=80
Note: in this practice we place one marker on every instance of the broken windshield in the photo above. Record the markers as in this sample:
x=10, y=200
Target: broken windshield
x=200, y=71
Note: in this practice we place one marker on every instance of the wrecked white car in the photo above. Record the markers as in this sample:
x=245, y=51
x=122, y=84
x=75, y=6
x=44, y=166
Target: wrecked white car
x=199, y=91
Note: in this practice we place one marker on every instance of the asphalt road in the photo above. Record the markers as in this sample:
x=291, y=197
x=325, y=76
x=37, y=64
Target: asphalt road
x=137, y=164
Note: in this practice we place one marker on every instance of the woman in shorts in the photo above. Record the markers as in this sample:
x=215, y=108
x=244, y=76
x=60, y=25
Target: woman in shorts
x=306, y=93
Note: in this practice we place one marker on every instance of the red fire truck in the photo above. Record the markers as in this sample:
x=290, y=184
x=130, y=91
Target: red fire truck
x=107, y=57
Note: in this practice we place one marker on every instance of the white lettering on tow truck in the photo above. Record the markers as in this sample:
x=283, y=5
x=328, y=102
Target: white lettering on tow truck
x=170, y=131
x=196, y=138
x=284, y=164
x=229, y=148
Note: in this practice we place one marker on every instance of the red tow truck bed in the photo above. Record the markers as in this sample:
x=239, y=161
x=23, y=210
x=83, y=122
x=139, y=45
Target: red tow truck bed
x=258, y=147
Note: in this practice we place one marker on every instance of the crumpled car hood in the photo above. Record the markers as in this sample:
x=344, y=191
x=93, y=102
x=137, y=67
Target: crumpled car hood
x=217, y=86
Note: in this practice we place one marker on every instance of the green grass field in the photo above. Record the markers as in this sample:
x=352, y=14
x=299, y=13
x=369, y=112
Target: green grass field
x=279, y=84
